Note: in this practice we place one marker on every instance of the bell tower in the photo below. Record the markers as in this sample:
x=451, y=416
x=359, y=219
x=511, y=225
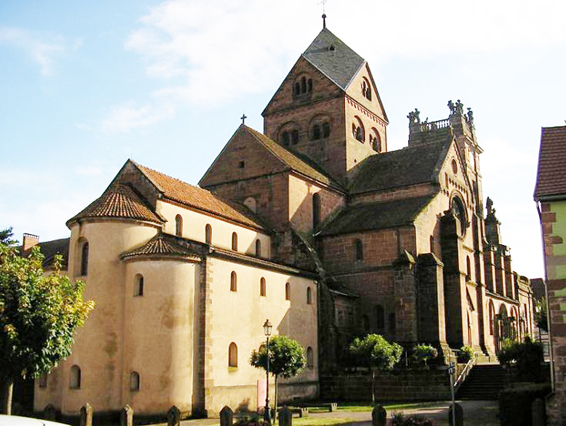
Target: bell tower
x=328, y=108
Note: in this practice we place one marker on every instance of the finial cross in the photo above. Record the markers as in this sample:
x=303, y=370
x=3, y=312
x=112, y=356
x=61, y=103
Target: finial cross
x=243, y=118
x=323, y=2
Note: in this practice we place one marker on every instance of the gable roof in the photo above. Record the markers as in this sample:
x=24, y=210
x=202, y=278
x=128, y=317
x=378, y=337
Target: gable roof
x=366, y=217
x=408, y=166
x=199, y=198
x=50, y=249
x=294, y=161
x=551, y=177
x=333, y=58
x=118, y=201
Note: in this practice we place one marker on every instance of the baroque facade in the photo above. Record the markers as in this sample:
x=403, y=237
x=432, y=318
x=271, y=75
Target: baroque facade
x=312, y=223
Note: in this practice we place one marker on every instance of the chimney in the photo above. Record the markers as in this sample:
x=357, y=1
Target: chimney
x=30, y=240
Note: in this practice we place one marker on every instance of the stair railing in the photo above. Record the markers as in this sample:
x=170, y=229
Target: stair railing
x=465, y=372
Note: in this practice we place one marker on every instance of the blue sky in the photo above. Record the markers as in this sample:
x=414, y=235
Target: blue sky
x=86, y=85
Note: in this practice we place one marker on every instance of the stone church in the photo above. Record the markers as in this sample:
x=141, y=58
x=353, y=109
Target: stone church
x=312, y=223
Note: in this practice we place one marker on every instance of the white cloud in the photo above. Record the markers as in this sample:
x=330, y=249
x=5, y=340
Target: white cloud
x=35, y=45
x=128, y=116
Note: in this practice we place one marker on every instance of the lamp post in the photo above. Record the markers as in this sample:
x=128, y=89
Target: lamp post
x=267, y=331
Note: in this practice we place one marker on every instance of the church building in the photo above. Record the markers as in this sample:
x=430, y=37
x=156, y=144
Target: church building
x=312, y=223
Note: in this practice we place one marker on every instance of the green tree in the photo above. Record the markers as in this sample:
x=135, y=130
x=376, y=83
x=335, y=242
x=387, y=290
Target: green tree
x=375, y=352
x=286, y=359
x=39, y=314
x=541, y=319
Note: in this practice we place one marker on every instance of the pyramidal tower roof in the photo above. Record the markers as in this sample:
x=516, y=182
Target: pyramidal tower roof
x=333, y=58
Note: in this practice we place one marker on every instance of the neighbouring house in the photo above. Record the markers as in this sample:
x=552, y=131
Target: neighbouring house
x=550, y=196
x=311, y=223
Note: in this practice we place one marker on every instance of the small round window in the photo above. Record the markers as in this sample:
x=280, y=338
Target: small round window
x=454, y=167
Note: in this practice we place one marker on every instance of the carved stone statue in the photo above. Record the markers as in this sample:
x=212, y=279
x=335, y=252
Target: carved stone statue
x=414, y=117
x=489, y=206
x=452, y=107
x=470, y=115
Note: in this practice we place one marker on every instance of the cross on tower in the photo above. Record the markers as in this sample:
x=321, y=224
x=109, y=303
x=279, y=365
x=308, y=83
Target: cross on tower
x=243, y=118
x=323, y=2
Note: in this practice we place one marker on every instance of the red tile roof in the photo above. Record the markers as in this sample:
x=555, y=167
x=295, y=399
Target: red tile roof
x=193, y=196
x=161, y=245
x=118, y=201
x=551, y=176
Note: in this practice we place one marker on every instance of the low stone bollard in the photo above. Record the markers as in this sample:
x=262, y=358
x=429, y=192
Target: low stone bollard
x=127, y=416
x=333, y=407
x=173, y=416
x=285, y=416
x=459, y=414
x=85, y=416
x=49, y=413
x=538, y=412
x=378, y=416
x=226, y=416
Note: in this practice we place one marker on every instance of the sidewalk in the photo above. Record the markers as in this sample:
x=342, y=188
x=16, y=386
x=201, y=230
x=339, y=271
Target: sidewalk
x=476, y=413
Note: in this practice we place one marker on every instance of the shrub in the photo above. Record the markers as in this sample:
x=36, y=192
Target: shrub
x=515, y=402
x=466, y=354
x=423, y=353
x=528, y=357
x=399, y=419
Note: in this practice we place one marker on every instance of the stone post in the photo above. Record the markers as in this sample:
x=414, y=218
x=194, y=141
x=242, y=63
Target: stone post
x=85, y=417
x=285, y=417
x=226, y=416
x=174, y=416
x=127, y=416
x=378, y=416
x=49, y=413
x=459, y=414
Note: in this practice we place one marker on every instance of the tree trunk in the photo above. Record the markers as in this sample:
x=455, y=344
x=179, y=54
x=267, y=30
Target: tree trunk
x=6, y=389
x=372, y=387
x=275, y=411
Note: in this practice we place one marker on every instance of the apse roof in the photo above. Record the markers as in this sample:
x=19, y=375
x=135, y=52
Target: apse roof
x=159, y=246
x=333, y=58
x=551, y=178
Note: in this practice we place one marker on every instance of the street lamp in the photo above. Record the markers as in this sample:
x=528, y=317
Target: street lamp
x=267, y=331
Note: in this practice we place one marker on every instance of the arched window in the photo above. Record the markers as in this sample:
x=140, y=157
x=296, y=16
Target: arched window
x=42, y=381
x=315, y=210
x=233, y=281
x=262, y=287
x=366, y=88
x=375, y=140
x=309, y=85
x=459, y=211
x=310, y=358
x=309, y=296
x=303, y=85
x=84, y=259
x=138, y=285
x=232, y=355
x=134, y=381
x=75, y=377
x=358, y=129
x=297, y=88
x=295, y=137
x=379, y=317
x=287, y=291
x=258, y=248
x=491, y=318
x=234, y=241
x=208, y=234
x=179, y=225
x=325, y=130
x=315, y=134
x=286, y=138
x=359, y=250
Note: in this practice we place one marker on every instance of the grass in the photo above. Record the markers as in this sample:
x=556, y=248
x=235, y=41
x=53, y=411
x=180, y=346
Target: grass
x=311, y=421
x=353, y=407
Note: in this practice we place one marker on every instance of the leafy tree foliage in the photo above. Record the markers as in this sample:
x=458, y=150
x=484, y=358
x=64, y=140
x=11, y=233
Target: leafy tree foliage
x=377, y=353
x=423, y=353
x=39, y=314
x=286, y=358
x=541, y=319
x=527, y=356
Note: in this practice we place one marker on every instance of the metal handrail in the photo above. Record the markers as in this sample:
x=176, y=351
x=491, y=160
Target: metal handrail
x=465, y=372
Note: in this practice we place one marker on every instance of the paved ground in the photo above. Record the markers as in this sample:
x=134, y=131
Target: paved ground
x=476, y=413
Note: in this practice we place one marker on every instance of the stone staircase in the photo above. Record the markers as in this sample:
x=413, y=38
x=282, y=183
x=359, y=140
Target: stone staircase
x=484, y=382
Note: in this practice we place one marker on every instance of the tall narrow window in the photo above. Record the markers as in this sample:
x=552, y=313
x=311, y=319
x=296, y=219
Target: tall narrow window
x=309, y=296
x=325, y=130
x=232, y=355
x=258, y=248
x=287, y=291
x=310, y=358
x=208, y=234
x=262, y=287
x=315, y=132
x=303, y=85
x=179, y=225
x=295, y=137
x=234, y=241
x=359, y=250
x=468, y=269
x=75, y=377
x=138, y=285
x=286, y=138
x=84, y=259
x=134, y=381
x=233, y=281
x=315, y=210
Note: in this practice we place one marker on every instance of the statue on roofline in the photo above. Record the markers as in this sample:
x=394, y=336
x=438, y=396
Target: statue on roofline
x=456, y=108
x=489, y=206
x=414, y=117
x=470, y=116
